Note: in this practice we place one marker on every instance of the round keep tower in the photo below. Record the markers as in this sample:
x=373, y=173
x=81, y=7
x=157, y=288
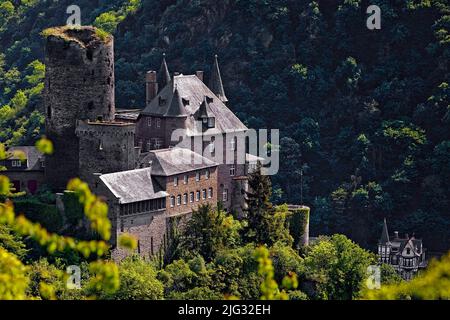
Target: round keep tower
x=79, y=85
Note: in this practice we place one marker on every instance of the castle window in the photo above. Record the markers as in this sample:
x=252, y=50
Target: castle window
x=197, y=176
x=49, y=112
x=185, y=102
x=175, y=181
x=158, y=143
x=149, y=122
x=408, y=250
x=151, y=246
x=210, y=193
x=232, y=170
x=16, y=163
x=204, y=194
x=179, y=200
x=149, y=146
x=172, y=201
x=191, y=195
x=161, y=101
x=225, y=195
x=207, y=174
x=185, y=198
x=158, y=122
x=185, y=179
x=197, y=196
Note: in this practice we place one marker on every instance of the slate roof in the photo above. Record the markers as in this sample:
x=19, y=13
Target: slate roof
x=176, y=108
x=193, y=91
x=169, y=162
x=32, y=155
x=133, y=186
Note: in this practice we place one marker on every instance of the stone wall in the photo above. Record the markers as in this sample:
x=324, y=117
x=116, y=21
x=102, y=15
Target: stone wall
x=79, y=84
x=105, y=148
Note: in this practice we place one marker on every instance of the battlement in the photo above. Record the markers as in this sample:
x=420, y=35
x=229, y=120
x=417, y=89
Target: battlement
x=104, y=128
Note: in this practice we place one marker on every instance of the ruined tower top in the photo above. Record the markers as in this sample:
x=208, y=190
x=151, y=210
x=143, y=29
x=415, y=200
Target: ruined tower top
x=85, y=36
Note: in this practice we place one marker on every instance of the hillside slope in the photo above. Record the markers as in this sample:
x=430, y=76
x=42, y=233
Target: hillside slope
x=364, y=113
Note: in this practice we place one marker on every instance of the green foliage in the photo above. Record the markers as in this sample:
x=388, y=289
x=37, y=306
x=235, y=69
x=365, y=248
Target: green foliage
x=208, y=231
x=265, y=224
x=45, y=214
x=298, y=223
x=337, y=267
x=137, y=282
x=269, y=287
x=128, y=241
x=95, y=209
x=13, y=278
x=389, y=275
x=12, y=243
x=73, y=210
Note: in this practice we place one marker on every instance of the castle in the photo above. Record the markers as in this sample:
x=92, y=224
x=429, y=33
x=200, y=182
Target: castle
x=153, y=166
x=406, y=255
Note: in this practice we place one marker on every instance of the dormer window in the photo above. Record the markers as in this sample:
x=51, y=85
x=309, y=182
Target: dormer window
x=211, y=122
x=161, y=101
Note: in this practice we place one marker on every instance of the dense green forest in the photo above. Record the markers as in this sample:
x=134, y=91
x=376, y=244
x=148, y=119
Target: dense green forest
x=363, y=114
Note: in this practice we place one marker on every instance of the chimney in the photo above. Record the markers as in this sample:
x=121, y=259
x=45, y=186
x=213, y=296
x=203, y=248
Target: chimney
x=396, y=234
x=151, y=86
x=199, y=75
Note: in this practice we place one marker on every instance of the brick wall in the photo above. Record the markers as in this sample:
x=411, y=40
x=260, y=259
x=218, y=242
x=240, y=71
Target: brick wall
x=191, y=186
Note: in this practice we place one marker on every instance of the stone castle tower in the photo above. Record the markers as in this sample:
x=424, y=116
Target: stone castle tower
x=105, y=147
x=79, y=85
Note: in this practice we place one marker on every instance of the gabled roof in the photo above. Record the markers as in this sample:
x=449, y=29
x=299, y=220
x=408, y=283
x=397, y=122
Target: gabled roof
x=215, y=82
x=133, y=186
x=31, y=154
x=193, y=91
x=169, y=162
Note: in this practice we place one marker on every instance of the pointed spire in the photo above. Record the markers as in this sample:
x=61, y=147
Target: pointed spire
x=176, y=108
x=163, y=75
x=203, y=112
x=384, y=233
x=215, y=82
